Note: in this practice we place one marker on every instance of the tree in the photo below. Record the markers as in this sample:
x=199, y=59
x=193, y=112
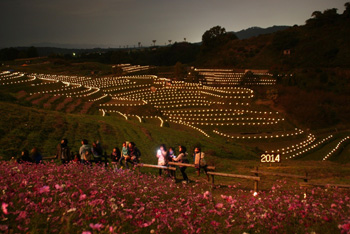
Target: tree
x=210, y=37
x=32, y=52
x=316, y=14
x=347, y=10
x=9, y=54
x=215, y=37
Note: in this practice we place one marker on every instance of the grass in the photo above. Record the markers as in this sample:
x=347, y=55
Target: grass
x=44, y=129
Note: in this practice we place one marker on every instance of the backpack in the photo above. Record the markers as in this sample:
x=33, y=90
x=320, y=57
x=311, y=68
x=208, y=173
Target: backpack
x=202, y=161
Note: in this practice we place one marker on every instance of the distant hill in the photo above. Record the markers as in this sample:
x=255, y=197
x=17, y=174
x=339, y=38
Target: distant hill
x=256, y=31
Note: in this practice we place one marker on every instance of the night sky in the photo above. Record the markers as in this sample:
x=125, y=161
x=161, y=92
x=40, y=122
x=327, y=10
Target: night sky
x=115, y=23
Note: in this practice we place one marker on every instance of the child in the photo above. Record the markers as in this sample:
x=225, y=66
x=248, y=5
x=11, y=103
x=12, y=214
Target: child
x=115, y=157
x=125, y=155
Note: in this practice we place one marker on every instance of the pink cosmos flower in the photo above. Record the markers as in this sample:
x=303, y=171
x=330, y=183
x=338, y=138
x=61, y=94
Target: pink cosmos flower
x=219, y=206
x=206, y=194
x=86, y=232
x=4, y=208
x=82, y=197
x=214, y=224
x=96, y=226
x=345, y=227
x=22, y=215
x=44, y=189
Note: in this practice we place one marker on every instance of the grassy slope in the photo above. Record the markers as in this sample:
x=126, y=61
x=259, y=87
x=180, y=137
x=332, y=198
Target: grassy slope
x=27, y=127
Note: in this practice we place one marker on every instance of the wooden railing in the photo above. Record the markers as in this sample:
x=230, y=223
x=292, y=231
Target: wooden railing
x=211, y=168
x=256, y=172
x=139, y=165
x=255, y=178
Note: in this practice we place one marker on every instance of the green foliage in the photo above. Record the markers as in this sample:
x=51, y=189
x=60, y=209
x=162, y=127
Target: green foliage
x=17, y=53
x=215, y=38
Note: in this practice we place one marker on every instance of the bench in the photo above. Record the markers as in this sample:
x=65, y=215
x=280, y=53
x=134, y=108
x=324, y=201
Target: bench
x=255, y=178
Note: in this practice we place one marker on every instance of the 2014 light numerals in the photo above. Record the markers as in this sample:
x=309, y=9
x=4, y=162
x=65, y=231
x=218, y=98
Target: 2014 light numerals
x=270, y=158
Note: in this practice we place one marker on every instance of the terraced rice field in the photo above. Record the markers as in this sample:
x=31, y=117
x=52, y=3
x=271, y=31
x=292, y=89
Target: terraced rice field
x=218, y=107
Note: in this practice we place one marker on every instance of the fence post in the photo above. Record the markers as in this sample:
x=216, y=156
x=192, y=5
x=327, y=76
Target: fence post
x=138, y=170
x=105, y=156
x=305, y=179
x=256, y=183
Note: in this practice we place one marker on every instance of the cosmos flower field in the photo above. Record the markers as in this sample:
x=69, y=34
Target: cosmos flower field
x=51, y=198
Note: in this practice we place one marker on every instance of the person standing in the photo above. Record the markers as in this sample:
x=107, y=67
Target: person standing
x=200, y=162
x=97, y=151
x=125, y=155
x=170, y=156
x=63, y=151
x=182, y=158
x=85, y=152
x=162, y=157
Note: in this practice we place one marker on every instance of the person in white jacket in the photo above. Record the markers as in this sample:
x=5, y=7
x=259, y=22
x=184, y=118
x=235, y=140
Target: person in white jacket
x=162, y=157
x=200, y=162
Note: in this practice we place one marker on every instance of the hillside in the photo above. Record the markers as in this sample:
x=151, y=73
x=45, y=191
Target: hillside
x=321, y=43
x=227, y=118
x=26, y=127
x=256, y=31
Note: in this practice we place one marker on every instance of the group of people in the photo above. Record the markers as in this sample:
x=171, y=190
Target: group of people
x=87, y=154
x=128, y=155
x=34, y=156
x=165, y=156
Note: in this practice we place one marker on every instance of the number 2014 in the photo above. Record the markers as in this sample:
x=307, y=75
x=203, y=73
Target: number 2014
x=271, y=158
